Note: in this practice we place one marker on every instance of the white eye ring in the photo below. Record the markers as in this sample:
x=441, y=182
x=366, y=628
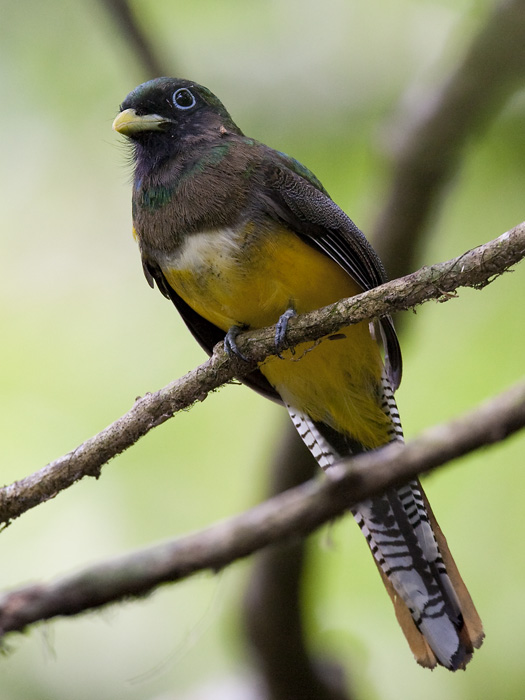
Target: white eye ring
x=184, y=99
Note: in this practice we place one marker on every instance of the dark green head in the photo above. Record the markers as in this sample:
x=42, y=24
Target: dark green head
x=172, y=111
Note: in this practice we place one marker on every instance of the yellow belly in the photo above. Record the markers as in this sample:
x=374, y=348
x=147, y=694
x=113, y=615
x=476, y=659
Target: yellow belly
x=234, y=278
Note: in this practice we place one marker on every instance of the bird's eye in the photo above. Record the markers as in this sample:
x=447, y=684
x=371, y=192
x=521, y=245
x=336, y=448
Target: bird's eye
x=183, y=99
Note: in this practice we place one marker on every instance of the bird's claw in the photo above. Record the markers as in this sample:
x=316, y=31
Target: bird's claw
x=230, y=344
x=280, y=331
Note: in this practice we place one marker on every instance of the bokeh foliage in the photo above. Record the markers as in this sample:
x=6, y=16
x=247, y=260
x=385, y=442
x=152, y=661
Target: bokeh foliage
x=82, y=335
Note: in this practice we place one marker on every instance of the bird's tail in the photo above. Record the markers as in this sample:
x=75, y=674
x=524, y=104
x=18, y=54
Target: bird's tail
x=432, y=604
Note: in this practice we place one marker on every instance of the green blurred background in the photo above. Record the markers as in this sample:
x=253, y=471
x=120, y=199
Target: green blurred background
x=83, y=335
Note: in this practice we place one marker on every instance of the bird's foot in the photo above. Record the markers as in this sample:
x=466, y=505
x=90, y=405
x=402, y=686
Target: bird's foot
x=230, y=343
x=280, y=331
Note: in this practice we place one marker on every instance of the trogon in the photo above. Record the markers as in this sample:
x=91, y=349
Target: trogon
x=241, y=236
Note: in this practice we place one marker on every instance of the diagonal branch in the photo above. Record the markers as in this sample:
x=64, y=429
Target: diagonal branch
x=291, y=513
x=475, y=268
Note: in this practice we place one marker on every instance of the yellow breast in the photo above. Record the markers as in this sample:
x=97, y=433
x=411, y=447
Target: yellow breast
x=239, y=277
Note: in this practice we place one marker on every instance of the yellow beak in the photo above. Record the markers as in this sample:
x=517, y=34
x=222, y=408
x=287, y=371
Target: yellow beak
x=129, y=122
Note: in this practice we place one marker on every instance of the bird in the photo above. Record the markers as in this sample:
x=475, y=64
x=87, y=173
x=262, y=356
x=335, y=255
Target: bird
x=240, y=236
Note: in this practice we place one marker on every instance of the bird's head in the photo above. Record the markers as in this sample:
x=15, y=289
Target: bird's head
x=172, y=113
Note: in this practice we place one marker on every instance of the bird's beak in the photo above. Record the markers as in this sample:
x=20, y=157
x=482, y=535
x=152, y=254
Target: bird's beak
x=129, y=122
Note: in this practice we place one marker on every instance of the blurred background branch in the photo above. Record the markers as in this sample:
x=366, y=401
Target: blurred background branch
x=436, y=131
x=146, y=51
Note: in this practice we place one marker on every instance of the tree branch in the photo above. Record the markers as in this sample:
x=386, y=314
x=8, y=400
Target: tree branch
x=292, y=513
x=476, y=268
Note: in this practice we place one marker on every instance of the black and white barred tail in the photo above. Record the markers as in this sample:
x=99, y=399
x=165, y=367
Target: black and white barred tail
x=431, y=601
